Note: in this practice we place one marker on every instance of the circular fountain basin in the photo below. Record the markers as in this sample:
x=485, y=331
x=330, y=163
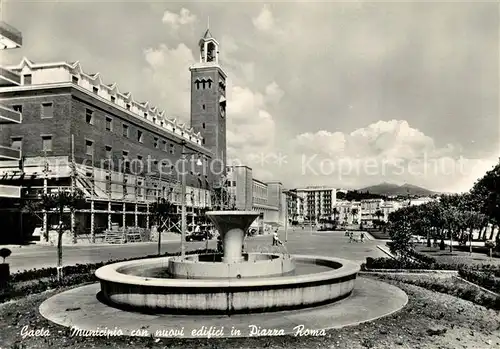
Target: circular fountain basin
x=213, y=266
x=122, y=287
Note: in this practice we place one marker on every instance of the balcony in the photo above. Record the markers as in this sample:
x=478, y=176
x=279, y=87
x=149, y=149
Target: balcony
x=10, y=37
x=9, y=116
x=9, y=78
x=7, y=153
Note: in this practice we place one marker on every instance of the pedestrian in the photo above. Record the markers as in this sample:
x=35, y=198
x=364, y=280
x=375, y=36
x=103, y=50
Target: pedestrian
x=275, y=238
x=219, y=243
x=351, y=236
x=362, y=236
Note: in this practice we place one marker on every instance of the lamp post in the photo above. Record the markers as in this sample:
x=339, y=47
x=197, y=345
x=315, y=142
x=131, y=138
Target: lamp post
x=184, y=156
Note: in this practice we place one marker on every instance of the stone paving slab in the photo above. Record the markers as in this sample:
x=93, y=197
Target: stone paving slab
x=79, y=308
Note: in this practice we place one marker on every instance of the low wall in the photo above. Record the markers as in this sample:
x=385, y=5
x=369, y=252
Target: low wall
x=226, y=295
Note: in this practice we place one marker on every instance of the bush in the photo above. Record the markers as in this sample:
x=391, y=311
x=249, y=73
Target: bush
x=421, y=257
x=389, y=263
x=483, y=278
x=453, y=287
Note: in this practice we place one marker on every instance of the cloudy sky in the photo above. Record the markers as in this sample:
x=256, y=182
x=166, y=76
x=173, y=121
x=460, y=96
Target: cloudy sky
x=346, y=94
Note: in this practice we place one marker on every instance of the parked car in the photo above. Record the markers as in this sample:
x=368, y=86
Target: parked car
x=251, y=231
x=197, y=236
x=417, y=239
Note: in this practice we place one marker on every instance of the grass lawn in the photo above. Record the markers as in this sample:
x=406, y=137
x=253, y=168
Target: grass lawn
x=380, y=235
x=456, y=257
x=430, y=320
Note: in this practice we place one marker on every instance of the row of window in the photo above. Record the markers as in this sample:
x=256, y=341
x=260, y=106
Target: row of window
x=89, y=119
x=48, y=109
x=47, y=112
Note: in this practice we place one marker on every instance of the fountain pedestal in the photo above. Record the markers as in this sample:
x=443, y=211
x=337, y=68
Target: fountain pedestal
x=232, y=226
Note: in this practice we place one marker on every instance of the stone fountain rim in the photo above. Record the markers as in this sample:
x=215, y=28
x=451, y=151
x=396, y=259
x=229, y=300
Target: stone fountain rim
x=109, y=273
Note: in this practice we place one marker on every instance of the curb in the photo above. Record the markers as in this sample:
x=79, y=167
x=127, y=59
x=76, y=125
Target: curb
x=480, y=287
x=386, y=251
x=409, y=271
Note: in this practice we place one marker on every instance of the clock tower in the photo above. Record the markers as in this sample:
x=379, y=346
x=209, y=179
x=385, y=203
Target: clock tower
x=208, y=102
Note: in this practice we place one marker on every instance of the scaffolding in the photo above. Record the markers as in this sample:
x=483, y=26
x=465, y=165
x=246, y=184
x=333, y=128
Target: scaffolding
x=113, y=198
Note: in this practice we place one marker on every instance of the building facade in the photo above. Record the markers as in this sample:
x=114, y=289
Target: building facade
x=295, y=206
x=122, y=153
x=318, y=202
x=252, y=194
x=348, y=212
x=10, y=38
x=371, y=209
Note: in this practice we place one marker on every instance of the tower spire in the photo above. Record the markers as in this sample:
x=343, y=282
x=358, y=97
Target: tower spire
x=208, y=21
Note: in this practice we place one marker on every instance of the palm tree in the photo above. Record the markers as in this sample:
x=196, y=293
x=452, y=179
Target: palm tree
x=379, y=214
x=354, y=213
x=335, y=213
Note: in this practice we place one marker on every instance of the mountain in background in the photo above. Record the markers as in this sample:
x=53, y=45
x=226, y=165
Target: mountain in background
x=390, y=189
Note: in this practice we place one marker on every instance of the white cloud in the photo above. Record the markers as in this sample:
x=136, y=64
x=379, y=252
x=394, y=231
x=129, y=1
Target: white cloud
x=265, y=20
x=390, y=151
x=168, y=70
x=274, y=93
x=176, y=20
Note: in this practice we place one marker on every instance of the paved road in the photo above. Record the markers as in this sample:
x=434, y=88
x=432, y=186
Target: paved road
x=299, y=242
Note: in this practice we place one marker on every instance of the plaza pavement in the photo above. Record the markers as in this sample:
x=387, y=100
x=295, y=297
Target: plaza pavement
x=333, y=244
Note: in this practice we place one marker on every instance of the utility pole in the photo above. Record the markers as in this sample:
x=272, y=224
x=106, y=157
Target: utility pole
x=183, y=203
x=286, y=220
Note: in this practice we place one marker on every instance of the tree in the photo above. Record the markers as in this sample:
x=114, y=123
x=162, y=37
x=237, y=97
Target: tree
x=400, y=233
x=335, y=213
x=485, y=195
x=58, y=203
x=161, y=211
x=354, y=213
x=4, y=253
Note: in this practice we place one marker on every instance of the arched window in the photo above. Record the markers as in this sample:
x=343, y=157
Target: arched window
x=209, y=83
x=197, y=83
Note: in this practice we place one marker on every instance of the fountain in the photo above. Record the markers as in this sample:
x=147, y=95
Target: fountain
x=232, y=282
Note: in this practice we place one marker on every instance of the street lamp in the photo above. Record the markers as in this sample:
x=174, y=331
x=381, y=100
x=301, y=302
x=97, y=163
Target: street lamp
x=184, y=156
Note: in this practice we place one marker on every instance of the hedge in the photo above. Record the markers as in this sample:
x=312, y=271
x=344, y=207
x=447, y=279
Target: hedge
x=483, y=278
x=33, y=281
x=486, y=275
x=454, y=288
x=35, y=274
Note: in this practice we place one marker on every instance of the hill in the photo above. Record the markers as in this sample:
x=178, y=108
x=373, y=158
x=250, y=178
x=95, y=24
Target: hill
x=390, y=189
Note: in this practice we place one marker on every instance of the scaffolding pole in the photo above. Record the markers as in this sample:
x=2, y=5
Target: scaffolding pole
x=73, y=173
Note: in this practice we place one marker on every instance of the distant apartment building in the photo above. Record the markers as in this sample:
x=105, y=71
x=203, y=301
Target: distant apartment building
x=420, y=201
x=318, y=202
x=10, y=38
x=348, y=212
x=295, y=206
x=371, y=210
x=388, y=207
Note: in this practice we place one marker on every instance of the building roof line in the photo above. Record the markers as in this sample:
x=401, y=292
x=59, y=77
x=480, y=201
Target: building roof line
x=75, y=67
